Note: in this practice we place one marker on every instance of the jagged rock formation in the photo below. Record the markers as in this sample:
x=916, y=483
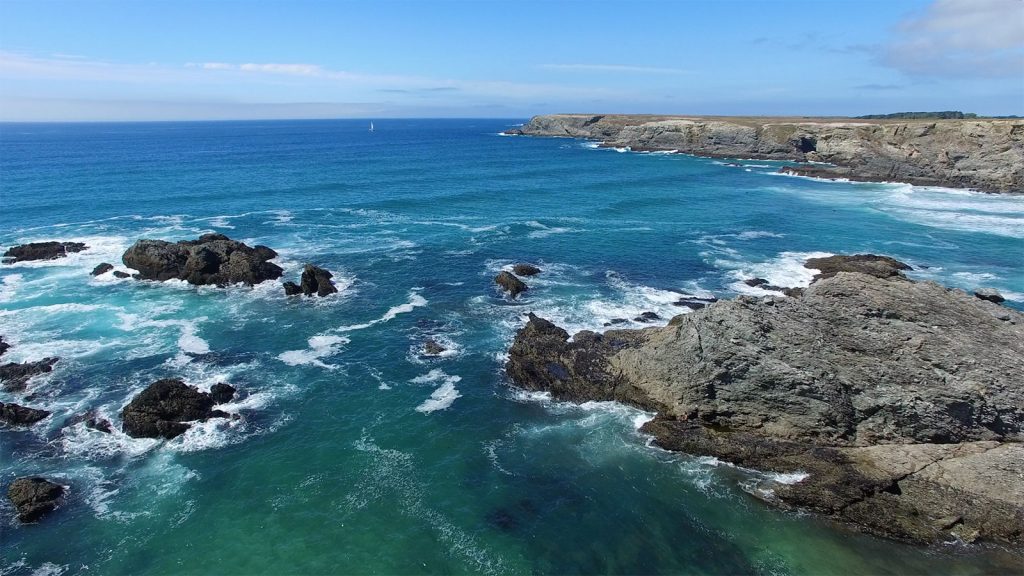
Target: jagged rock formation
x=985, y=154
x=314, y=280
x=165, y=408
x=4, y=346
x=41, y=251
x=509, y=283
x=102, y=269
x=14, y=377
x=212, y=259
x=16, y=415
x=34, y=497
x=902, y=400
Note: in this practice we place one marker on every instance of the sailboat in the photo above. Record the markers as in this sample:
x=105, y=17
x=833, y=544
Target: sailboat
x=371, y=125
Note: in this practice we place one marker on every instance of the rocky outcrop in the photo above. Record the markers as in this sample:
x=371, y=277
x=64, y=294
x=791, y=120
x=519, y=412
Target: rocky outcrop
x=990, y=294
x=212, y=259
x=984, y=154
x=509, y=283
x=314, y=280
x=524, y=269
x=15, y=377
x=4, y=346
x=34, y=497
x=900, y=400
x=41, y=251
x=166, y=407
x=16, y=415
x=432, y=347
x=872, y=264
x=102, y=269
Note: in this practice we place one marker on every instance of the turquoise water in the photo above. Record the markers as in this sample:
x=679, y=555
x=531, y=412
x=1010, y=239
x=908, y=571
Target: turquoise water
x=356, y=454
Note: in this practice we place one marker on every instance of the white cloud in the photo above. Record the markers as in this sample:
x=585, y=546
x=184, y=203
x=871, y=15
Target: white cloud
x=614, y=68
x=961, y=38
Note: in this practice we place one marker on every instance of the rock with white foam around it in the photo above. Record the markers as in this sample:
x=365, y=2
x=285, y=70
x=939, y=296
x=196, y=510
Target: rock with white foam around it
x=212, y=259
x=166, y=408
x=34, y=497
x=41, y=251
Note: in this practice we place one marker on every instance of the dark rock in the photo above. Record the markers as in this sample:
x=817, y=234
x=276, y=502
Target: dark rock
x=647, y=317
x=221, y=393
x=514, y=286
x=793, y=292
x=523, y=269
x=120, y=274
x=34, y=497
x=16, y=415
x=164, y=409
x=432, y=348
x=15, y=377
x=212, y=259
x=99, y=424
x=878, y=266
x=292, y=289
x=4, y=346
x=316, y=280
x=989, y=294
x=41, y=251
x=615, y=321
x=754, y=282
x=102, y=269
x=503, y=520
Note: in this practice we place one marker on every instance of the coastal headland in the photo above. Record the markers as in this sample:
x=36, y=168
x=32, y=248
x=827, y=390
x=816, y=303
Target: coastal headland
x=981, y=154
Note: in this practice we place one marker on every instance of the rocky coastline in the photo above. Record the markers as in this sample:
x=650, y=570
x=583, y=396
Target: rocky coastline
x=981, y=154
x=892, y=405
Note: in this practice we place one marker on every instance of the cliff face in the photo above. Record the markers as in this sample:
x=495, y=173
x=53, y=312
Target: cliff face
x=901, y=401
x=986, y=155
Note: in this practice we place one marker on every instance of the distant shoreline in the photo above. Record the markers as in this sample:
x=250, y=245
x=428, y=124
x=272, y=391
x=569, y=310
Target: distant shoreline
x=983, y=154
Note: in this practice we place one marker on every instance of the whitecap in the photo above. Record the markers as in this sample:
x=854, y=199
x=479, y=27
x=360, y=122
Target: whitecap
x=444, y=395
x=320, y=346
x=415, y=301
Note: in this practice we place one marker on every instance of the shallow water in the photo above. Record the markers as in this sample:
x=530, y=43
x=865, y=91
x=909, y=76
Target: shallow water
x=355, y=453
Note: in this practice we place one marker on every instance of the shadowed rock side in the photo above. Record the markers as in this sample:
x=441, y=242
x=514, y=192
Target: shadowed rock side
x=41, y=251
x=987, y=155
x=34, y=497
x=166, y=407
x=901, y=400
x=509, y=283
x=212, y=259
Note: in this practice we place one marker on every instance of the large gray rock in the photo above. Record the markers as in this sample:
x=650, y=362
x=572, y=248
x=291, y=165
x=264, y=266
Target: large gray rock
x=509, y=283
x=865, y=382
x=212, y=259
x=986, y=154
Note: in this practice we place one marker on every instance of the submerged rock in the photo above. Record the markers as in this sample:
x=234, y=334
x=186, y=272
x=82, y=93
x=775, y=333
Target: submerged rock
x=523, y=269
x=647, y=317
x=432, y=348
x=221, y=393
x=15, y=377
x=15, y=415
x=212, y=259
x=120, y=274
x=41, y=251
x=892, y=404
x=514, y=286
x=292, y=289
x=102, y=269
x=989, y=294
x=34, y=497
x=165, y=408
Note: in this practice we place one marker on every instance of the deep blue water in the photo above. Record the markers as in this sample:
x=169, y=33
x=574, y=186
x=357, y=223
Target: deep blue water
x=355, y=453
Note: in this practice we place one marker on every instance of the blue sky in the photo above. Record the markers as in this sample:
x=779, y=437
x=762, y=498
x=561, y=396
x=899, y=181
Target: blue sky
x=226, y=59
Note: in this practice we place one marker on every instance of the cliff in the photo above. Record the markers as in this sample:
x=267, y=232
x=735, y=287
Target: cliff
x=982, y=154
x=898, y=403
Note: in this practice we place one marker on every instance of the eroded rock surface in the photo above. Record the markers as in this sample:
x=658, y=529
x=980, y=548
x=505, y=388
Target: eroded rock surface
x=15, y=377
x=34, y=497
x=41, y=251
x=902, y=400
x=17, y=415
x=166, y=408
x=986, y=154
x=212, y=259
x=509, y=283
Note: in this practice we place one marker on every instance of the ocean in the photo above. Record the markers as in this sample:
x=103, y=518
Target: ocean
x=357, y=454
